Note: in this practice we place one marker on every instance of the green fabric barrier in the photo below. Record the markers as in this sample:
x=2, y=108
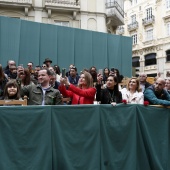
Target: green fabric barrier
x=9, y=39
x=83, y=48
x=118, y=138
x=154, y=138
x=99, y=50
x=89, y=137
x=65, y=47
x=48, y=43
x=76, y=138
x=25, y=138
x=25, y=41
x=29, y=42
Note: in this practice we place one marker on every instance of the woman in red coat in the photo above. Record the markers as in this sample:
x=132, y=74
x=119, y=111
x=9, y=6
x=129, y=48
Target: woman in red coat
x=83, y=94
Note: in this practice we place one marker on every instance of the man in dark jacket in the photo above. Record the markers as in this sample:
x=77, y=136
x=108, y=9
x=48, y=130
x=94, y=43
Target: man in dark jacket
x=42, y=93
x=143, y=83
x=156, y=94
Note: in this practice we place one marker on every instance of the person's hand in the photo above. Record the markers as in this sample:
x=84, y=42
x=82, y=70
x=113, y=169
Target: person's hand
x=113, y=103
x=111, y=73
x=99, y=78
x=62, y=80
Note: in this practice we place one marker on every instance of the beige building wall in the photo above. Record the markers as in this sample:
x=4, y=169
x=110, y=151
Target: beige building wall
x=85, y=14
x=152, y=33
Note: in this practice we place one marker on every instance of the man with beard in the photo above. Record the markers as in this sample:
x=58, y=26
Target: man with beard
x=42, y=93
x=156, y=94
x=34, y=77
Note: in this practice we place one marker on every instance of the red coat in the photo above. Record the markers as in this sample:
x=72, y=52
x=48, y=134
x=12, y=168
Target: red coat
x=79, y=96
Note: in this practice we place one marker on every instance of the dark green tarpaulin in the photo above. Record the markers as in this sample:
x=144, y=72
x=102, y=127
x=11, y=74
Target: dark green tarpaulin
x=91, y=137
x=25, y=41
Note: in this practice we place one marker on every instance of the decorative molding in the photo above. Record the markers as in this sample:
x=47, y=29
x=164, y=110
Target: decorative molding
x=26, y=11
x=49, y=13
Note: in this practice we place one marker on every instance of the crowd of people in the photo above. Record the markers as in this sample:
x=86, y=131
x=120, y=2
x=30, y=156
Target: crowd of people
x=48, y=85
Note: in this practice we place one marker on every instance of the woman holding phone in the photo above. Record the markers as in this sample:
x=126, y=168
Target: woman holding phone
x=110, y=94
x=84, y=93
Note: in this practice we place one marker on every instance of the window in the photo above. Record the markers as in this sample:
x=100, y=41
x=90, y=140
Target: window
x=168, y=55
x=168, y=29
x=135, y=61
x=134, y=2
x=149, y=13
x=149, y=35
x=150, y=59
x=167, y=4
x=133, y=18
x=134, y=39
x=62, y=23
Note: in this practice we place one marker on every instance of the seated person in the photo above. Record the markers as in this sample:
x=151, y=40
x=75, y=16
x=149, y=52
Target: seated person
x=73, y=78
x=156, y=94
x=143, y=83
x=42, y=93
x=83, y=94
x=167, y=85
x=110, y=94
x=12, y=91
x=132, y=94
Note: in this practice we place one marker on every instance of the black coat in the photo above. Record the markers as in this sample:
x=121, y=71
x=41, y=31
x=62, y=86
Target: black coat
x=103, y=95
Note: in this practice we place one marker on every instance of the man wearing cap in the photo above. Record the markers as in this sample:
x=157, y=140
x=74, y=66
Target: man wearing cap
x=48, y=62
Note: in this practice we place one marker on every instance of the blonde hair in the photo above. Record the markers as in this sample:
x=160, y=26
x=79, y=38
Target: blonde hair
x=137, y=82
x=88, y=78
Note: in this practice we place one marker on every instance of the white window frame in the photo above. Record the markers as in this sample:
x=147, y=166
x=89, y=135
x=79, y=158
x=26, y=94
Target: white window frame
x=133, y=18
x=134, y=2
x=168, y=29
x=134, y=39
x=167, y=4
x=62, y=23
x=149, y=34
x=149, y=13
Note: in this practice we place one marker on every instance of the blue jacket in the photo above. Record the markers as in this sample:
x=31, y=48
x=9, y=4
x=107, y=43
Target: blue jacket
x=154, y=98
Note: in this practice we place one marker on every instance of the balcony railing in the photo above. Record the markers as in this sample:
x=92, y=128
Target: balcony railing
x=133, y=26
x=115, y=5
x=63, y=2
x=17, y=1
x=148, y=20
x=115, y=14
x=120, y=30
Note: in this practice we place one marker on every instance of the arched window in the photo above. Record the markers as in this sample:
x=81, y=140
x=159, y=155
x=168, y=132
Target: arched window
x=168, y=55
x=135, y=61
x=150, y=59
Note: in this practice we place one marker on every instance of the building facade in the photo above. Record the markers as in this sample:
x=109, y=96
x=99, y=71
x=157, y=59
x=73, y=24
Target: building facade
x=148, y=23
x=96, y=15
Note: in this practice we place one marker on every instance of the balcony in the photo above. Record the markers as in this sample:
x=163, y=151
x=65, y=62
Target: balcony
x=16, y=3
x=115, y=14
x=152, y=67
x=149, y=20
x=120, y=30
x=133, y=26
x=63, y=5
x=26, y=4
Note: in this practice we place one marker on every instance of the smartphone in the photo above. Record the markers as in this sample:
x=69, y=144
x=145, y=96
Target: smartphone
x=100, y=71
x=63, y=72
x=112, y=69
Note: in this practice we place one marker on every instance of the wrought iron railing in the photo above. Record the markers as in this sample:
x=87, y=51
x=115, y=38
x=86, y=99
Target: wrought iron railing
x=120, y=30
x=133, y=25
x=66, y=2
x=148, y=20
x=17, y=1
x=114, y=4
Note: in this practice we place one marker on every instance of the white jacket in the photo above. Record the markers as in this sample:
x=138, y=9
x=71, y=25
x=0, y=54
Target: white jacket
x=136, y=98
